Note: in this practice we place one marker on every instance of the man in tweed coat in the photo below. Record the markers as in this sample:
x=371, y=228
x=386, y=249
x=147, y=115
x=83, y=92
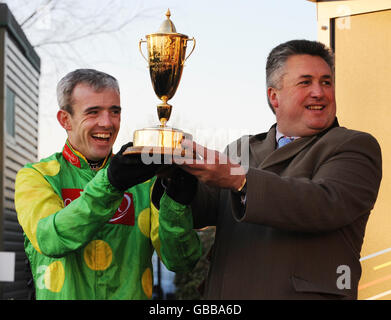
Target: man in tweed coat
x=290, y=220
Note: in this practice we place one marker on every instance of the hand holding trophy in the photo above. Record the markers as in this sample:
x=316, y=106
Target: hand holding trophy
x=166, y=57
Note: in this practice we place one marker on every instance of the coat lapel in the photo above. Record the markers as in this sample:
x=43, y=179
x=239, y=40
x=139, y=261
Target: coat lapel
x=261, y=147
x=264, y=149
x=286, y=152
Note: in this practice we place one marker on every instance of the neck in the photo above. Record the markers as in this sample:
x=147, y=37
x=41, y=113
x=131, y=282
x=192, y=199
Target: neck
x=95, y=165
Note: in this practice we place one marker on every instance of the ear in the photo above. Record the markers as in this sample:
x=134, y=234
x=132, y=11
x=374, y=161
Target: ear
x=272, y=95
x=63, y=118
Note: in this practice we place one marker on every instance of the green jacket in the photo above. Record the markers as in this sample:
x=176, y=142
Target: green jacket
x=87, y=240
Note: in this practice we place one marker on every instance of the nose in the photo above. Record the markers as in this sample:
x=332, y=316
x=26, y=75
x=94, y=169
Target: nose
x=105, y=120
x=317, y=91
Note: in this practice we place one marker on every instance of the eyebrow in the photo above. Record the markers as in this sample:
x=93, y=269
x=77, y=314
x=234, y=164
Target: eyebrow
x=308, y=76
x=118, y=108
x=95, y=108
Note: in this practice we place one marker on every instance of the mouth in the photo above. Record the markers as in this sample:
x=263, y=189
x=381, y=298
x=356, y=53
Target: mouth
x=102, y=136
x=316, y=107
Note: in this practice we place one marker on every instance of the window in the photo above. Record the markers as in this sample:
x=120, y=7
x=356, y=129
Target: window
x=10, y=112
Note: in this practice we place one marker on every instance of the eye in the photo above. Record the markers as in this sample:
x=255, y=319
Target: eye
x=304, y=82
x=326, y=83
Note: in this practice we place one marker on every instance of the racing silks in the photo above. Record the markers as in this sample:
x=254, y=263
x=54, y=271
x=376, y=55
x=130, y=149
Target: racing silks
x=87, y=240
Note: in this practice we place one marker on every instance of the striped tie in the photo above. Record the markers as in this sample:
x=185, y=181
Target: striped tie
x=284, y=140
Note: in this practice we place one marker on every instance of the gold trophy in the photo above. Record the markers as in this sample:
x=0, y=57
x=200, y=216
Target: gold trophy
x=166, y=57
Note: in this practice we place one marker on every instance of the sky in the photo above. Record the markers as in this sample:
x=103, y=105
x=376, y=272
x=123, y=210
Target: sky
x=222, y=93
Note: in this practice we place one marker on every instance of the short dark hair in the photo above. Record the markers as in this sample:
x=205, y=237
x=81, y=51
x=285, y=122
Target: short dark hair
x=279, y=55
x=95, y=79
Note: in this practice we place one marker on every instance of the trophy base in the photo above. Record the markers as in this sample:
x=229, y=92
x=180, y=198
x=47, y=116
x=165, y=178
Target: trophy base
x=160, y=140
x=176, y=152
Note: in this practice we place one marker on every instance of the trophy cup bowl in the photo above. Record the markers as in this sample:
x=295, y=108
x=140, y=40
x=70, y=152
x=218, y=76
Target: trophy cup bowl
x=166, y=57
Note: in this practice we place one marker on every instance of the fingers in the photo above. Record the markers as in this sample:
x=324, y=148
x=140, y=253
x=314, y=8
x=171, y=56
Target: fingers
x=192, y=169
x=186, y=143
x=199, y=150
x=166, y=171
x=132, y=159
x=125, y=146
x=204, y=156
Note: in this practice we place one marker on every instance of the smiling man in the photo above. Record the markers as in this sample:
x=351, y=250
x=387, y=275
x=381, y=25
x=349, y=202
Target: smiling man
x=89, y=222
x=291, y=216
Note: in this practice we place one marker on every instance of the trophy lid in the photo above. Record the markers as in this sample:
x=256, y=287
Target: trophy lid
x=167, y=26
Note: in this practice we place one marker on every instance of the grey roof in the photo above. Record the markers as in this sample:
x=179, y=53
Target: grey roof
x=8, y=21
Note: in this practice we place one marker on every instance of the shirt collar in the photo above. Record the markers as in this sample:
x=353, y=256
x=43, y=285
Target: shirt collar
x=334, y=125
x=76, y=158
x=279, y=135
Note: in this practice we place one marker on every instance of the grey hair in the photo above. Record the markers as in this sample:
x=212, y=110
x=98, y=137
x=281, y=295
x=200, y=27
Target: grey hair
x=95, y=79
x=279, y=55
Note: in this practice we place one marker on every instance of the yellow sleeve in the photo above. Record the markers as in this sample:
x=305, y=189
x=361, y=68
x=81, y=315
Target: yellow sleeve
x=155, y=224
x=35, y=199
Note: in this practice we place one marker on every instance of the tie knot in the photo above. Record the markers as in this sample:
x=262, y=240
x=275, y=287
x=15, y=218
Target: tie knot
x=284, y=140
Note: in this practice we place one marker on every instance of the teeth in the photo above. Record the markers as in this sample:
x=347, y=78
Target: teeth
x=101, y=135
x=314, y=107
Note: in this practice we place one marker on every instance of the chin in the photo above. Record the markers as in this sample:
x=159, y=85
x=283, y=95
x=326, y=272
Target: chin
x=100, y=155
x=319, y=125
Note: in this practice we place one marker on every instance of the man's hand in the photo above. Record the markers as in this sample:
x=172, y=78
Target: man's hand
x=214, y=168
x=127, y=171
x=179, y=185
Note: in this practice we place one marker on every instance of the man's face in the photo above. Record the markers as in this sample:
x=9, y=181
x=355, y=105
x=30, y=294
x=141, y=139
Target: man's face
x=94, y=125
x=305, y=103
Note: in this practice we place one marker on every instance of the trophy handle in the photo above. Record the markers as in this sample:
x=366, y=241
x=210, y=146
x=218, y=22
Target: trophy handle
x=141, y=51
x=194, y=44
